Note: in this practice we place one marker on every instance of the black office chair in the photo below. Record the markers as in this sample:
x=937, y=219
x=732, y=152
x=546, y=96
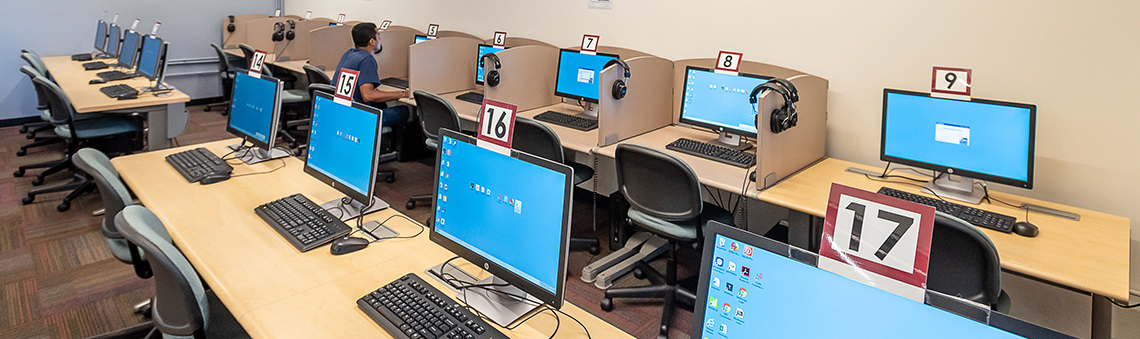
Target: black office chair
x=226, y=72
x=316, y=75
x=435, y=114
x=964, y=263
x=538, y=139
x=665, y=199
x=267, y=69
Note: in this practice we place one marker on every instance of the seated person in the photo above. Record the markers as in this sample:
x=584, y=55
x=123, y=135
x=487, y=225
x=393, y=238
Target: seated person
x=366, y=39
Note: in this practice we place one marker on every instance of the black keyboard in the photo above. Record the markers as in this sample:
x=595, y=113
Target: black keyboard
x=472, y=97
x=114, y=75
x=119, y=90
x=305, y=224
x=978, y=217
x=94, y=65
x=713, y=152
x=566, y=120
x=81, y=57
x=197, y=163
x=411, y=308
x=395, y=82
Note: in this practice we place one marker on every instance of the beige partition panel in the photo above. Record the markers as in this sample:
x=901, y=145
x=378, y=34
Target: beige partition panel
x=455, y=34
x=646, y=105
x=259, y=33
x=298, y=48
x=780, y=155
x=393, y=60
x=526, y=78
x=516, y=42
x=327, y=44
x=232, y=40
x=749, y=67
x=442, y=65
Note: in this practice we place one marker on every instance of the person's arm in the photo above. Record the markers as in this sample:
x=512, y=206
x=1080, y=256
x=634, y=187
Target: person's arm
x=370, y=93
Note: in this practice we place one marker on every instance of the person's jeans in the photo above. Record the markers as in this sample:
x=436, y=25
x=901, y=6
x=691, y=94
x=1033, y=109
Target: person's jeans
x=395, y=116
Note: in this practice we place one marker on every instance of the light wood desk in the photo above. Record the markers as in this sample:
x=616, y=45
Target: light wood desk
x=1089, y=255
x=273, y=289
x=710, y=173
x=86, y=98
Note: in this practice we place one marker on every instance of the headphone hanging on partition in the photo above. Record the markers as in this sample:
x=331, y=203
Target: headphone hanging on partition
x=492, y=76
x=618, y=89
x=292, y=33
x=231, y=27
x=278, y=31
x=785, y=117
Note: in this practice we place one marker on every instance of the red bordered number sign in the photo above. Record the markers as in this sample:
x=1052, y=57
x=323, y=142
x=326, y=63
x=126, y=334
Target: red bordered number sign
x=949, y=80
x=346, y=84
x=497, y=122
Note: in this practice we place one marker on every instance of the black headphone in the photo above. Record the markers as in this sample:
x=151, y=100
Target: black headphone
x=231, y=27
x=278, y=31
x=292, y=33
x=785, y=117
x=492, y=76
x=619, y=87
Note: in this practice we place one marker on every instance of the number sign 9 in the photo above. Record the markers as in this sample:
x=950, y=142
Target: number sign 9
x=884, y=235
x=497, y=122
x=947, y=80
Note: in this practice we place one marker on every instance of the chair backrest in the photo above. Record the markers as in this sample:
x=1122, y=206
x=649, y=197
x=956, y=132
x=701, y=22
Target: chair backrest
x=435, y=114
x=316, y=75
x=248, y=51
x=537, y=139
x=179, y=307
x=658, y=184
x=963, y=261
x=60, y=107
x=37, y=63
x=32, y=73
x=111, y=188
x=316, y=87
x=223, y=61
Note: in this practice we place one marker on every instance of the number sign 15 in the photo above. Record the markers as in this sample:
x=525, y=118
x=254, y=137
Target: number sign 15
x=346, y=84
x=497, y=122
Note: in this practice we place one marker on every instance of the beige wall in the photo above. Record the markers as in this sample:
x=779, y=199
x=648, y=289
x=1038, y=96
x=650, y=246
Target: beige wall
x=1078, y=61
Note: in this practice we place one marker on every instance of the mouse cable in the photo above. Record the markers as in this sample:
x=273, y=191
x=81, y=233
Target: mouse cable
x=921, y=188
x=988, y=197
x=263, y=172
x=359, y=227
x=240, y=147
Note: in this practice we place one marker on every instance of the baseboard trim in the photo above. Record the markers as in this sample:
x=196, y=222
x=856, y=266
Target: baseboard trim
x=19, y=121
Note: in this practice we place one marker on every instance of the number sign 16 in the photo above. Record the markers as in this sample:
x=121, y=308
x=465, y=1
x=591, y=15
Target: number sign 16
x=497, y=122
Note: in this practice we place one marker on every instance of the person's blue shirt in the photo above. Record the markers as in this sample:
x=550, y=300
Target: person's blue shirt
x=362, y=61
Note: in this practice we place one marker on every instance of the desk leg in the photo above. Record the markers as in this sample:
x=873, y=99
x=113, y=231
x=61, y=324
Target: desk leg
x=156, y=137
x=801, y=230
x=1101, y=318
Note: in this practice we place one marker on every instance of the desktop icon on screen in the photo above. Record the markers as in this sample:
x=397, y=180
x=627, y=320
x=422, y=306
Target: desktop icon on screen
x=712, y=303
x=727, y=309
x=739, y=313
x=743, y=293
x=716, y=282
x=748, y=251
x=728, y=287
x=719, y=262
x=745, y=271
x=731, y=267
x=735, y=246
x=720, y=243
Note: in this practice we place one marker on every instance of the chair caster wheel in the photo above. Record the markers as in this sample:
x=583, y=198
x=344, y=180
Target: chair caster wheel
x=30, y=136
x=638, y=273
x=207, y=109
x=595, y=250
x=38, y=181
x=607, y=304
x=63, y=207
x=390, y=179
x=28, y=200
x=23, y=129
x=21, y=152
x=410, y=205
x=18, y=173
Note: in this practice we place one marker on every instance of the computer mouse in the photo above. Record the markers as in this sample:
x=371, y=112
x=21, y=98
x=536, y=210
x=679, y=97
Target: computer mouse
x=129, y=97
x=1024, y=228
x=348, y=245
x=96, y=81
x=214, y=178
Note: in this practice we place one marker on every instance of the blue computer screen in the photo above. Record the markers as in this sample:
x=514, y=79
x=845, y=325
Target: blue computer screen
x=342, y=143
x=578, y=74
x=113, y=41
x=504, y=209
x=720, y=100
x=100, y=35
x=148, y=58
x=985, y=138
x=479, y=61
x=754, y=293
x=129, y=50
x=251, y=111
x=421, y=38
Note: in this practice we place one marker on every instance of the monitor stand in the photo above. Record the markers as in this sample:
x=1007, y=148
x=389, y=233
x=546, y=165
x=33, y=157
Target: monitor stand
x=591, y=111
x=731, y=141
x=353, y=208
x=956, y=187
x=501, y=308
x=253, y=155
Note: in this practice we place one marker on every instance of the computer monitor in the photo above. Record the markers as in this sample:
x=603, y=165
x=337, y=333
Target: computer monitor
x=344, y=150
x=128, y=53
x=483, y=50
x=151, y=57
x=751, y=286
x=421, y=38
x=720, y=102
x=980, y=139
x=113, y=39
x=578, y=73
x=101, y=36
x=482, y=215
x=255, y=110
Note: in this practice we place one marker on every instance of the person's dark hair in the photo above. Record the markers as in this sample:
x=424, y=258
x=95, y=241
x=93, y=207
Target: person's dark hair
x=363, y=32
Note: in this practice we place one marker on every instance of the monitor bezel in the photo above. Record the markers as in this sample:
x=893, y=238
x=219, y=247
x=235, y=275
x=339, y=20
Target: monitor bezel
x=553, y=299
x=106, y=31
x=558, y=92
x=1027, y=184
x=118, y=40
x=134, y=61
x=158, y=62
x=425, y=37
x=717, y=128
x=365, y=198
x=479, y=61
x=272, y=137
